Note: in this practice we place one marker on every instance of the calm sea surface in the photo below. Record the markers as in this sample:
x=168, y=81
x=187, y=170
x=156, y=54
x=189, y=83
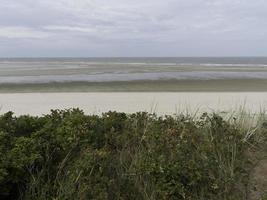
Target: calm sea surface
x=50, y=70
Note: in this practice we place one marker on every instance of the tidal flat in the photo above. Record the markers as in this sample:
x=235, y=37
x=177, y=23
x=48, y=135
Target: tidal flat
x=219, y=85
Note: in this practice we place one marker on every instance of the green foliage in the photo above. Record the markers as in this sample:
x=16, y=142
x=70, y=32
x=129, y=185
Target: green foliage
x=70, y=155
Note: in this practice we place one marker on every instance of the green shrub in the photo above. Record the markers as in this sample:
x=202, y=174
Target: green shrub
x=70, y=155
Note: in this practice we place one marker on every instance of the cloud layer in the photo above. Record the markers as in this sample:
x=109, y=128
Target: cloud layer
x=133, y=28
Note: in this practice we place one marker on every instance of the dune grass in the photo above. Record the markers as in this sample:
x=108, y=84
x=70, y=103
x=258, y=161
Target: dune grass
x=69, y=155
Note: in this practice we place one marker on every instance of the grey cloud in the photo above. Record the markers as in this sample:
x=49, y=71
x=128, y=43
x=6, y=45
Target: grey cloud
x=133, y=28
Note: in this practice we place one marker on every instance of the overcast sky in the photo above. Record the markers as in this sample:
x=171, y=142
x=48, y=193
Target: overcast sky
x=85, y=28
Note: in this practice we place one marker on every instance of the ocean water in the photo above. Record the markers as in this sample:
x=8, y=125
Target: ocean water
x=51, y=70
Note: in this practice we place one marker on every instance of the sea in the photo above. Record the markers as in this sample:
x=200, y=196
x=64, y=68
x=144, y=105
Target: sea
x=60, y=70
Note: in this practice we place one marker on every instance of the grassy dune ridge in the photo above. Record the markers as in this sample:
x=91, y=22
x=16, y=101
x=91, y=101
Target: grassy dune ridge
x=69, y=155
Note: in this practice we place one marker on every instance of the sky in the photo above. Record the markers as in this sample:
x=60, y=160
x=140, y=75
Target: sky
x=130, y=28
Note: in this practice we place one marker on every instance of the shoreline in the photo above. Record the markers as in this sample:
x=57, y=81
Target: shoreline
x=220, y=85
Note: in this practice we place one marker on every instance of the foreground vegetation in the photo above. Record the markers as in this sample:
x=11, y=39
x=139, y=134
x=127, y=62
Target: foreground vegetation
x=70, y=155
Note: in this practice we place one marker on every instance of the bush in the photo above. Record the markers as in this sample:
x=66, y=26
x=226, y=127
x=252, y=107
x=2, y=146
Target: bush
x=70, y=155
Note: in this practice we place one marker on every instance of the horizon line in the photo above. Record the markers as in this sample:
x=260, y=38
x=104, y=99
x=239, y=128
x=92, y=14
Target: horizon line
x=22, y=57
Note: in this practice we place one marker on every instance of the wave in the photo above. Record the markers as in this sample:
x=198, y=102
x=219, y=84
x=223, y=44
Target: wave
x=78, y=63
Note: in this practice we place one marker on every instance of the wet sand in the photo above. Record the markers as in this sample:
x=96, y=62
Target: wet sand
x=221, y=85
x=161, y=103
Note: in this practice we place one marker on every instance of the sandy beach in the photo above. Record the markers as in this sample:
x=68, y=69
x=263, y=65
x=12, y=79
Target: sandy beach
x=161, y=103
x=162, y=85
